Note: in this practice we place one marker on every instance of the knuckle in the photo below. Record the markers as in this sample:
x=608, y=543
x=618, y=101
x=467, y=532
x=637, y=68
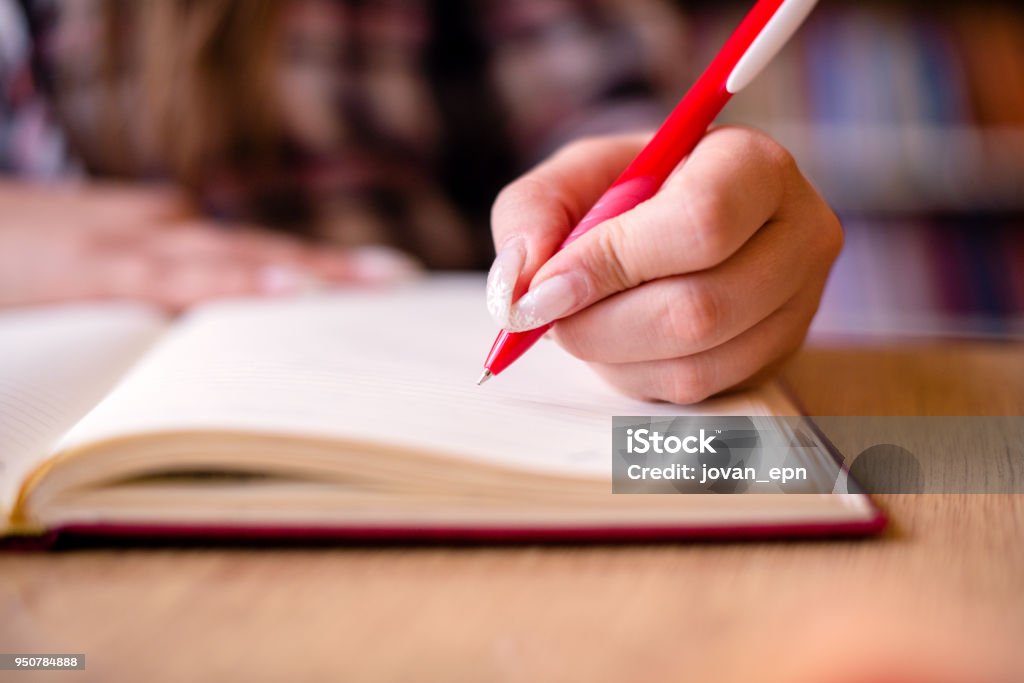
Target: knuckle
x=515, y=194
x=580, y=145
x=833, y=235
x=124, y=274
x=609, y=263
x=825, y=234
x=531, y=195
x=586, y=146
x=707, y=212
x=689, y=382
x=694, y=316
x=572, y=337
x=743, y=137
x=771, y=150
x=770, y=153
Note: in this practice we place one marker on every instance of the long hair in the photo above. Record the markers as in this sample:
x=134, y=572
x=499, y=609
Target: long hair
x=191, y=91
x=188, y=84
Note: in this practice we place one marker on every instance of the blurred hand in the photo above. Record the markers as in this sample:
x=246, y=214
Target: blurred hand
x=99, y=242
x=705, y=287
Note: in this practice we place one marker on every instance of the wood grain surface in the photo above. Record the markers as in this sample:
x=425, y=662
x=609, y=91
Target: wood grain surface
x=940, y=597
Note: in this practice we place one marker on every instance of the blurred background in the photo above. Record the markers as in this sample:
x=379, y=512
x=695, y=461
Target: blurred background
x=908, y=116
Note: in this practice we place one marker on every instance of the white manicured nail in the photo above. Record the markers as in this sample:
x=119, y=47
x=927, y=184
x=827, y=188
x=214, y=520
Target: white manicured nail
x=547, y=302
x=501, y=281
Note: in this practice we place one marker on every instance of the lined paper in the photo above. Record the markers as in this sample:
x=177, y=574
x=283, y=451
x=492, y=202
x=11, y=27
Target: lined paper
x=56, y=363
x=395, y=367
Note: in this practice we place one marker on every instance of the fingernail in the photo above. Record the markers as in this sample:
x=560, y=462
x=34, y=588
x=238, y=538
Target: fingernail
x=382, y=265
x=501, y=281
x=279, y=280
x=548, y=301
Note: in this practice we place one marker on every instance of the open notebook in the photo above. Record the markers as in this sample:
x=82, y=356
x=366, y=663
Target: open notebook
x=349, y=414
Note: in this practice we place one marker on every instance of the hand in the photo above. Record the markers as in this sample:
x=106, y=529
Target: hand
x=705, y=287
x=101, y=242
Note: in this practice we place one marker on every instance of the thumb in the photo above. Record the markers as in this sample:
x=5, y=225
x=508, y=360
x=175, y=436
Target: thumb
x=534, y=215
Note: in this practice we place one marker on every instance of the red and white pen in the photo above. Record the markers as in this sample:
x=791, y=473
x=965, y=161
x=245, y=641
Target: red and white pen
x=758, y=38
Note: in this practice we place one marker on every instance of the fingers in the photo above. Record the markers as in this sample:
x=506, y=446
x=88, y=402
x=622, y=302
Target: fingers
x=173, y=284
x=176, y=286
x=686, y=314
x=314, y=263
x=735, y=181
x=738, y=362
x=532, y=216
x=705, y=287
x=177, y=267
x=126, y=242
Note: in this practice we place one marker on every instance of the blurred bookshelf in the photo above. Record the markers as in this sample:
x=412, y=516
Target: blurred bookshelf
x=909, y=118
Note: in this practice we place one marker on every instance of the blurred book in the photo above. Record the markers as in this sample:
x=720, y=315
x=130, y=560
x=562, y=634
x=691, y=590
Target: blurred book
x=892, y=109
x=958, y=276
x=909, y=118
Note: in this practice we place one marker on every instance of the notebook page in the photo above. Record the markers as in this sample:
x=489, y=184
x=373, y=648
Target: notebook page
x=56, y=363
x=395, y=366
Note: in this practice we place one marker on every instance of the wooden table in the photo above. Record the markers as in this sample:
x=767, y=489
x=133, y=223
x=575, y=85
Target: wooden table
x=941, y=594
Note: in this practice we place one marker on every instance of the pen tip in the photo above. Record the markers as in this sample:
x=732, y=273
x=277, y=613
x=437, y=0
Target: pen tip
x=484, y=377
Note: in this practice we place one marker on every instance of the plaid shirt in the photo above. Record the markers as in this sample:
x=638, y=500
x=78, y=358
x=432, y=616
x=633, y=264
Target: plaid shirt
x=444, y=102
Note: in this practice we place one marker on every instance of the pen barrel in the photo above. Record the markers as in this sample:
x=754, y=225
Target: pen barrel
x=696, y=111
x=639, y=182
x=622, y=196
x=617, y=199
x=509, y=346
x=673, y=142
x=681, y=131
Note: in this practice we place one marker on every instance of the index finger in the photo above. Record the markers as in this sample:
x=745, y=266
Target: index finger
x=733, y=183
x=533, y=215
